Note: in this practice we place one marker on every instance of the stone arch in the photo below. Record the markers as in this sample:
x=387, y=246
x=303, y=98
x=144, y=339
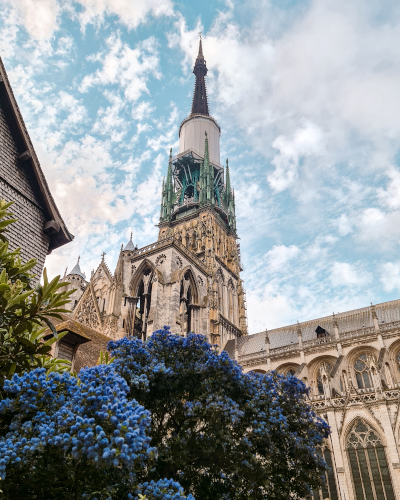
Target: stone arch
x=188, y=272
x=368, y=462
x=319, y=372
x=362, y=377
x=188, y=300
x=138, y=274
x=286, y=368
x=257, y=370
x=394, y=361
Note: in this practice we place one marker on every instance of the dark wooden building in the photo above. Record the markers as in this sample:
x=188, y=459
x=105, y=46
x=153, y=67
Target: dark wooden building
x=40, y=227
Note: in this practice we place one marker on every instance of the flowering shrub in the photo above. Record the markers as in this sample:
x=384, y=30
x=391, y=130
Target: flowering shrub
x=220, y=433
x=75, y=438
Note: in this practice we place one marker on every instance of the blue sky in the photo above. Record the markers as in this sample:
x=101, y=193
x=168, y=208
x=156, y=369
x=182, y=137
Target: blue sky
x=307, y=94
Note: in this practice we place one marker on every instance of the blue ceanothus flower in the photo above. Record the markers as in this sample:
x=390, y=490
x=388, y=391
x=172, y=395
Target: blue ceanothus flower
x=221, y=433
x=65, y=437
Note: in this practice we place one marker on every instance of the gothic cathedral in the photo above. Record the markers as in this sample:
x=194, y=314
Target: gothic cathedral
x=190, y=278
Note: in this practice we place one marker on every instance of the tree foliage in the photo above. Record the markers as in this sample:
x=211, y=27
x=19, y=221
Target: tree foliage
x=26, y=307
x=70, y=439
x=221, y=433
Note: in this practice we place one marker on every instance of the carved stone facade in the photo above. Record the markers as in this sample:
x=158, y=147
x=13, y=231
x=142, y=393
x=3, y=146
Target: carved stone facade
x=190, y=278
x=351, y=363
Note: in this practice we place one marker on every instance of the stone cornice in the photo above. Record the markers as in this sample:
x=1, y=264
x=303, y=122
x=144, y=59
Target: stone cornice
x=154, y=248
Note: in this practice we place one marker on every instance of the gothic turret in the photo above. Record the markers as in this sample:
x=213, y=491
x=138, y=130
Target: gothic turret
x=77, y=271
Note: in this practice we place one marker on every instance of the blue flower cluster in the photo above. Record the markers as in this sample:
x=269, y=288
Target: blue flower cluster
x=215, y=424
x=90, y=417
x=165, y=489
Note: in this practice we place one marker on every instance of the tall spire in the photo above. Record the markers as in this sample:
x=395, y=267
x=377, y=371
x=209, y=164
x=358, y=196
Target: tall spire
x=199, y=103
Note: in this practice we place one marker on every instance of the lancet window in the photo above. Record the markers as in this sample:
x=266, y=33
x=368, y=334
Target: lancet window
x=323, y=371
x=363, y=372
x=143, y=304
x=231, y=301
x=328, y=487
x=186, y=304
x=398, y=359
x=368, y=464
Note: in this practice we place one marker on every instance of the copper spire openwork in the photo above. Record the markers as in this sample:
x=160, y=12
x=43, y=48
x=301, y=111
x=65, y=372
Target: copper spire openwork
x=199, y=103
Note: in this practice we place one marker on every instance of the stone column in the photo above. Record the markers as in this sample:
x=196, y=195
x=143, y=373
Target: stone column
x=337, y=337
x=376, y=325
x=300, y=339
x=267, y=346
x=344, y=488
x=391, y=448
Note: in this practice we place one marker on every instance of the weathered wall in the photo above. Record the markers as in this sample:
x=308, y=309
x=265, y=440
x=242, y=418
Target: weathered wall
x=15, y=185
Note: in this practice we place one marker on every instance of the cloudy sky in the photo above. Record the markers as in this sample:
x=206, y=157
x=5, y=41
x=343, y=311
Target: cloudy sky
x=308, y=97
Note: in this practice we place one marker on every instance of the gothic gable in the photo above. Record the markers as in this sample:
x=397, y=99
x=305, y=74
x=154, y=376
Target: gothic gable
x=87, y=311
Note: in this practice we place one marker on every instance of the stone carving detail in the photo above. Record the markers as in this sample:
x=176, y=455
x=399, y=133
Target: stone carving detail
x=133, y=270
x=200, y=280
x=179, y=262
x=87, y=313
x=160, y=260
x=111, y=326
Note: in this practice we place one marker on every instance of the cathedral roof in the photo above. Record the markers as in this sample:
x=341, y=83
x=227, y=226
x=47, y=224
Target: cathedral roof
x=130, y=245
x=77, y=270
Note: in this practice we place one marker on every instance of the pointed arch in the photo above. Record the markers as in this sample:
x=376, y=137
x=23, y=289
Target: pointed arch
x=137, y=276
x=367, y=457
x=188, y=273
x=87, y=310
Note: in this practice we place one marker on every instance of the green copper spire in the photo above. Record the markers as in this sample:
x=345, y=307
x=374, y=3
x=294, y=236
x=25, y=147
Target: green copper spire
x=227, y=186
x=162, y=200
x=169, y=191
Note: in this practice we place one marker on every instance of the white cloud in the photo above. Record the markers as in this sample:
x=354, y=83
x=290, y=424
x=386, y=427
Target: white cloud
x=344, y=225
x=279, y=256
x=390, y=276
x=345, y=274
x=39, y=17
x=126, y=67
x=308, y=140
x=129, y=13
x=390, y=197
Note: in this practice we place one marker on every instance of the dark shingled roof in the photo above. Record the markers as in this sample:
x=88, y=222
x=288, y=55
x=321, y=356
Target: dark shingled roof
x=55, y=226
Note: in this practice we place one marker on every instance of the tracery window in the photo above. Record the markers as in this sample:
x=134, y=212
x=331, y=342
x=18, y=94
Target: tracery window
x=143, y=304
x=363, y=372
x=398, y=359
x=368, y=463
x=328, y=487
x=324, y=368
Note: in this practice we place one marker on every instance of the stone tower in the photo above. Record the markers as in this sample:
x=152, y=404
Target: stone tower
x=190, y=278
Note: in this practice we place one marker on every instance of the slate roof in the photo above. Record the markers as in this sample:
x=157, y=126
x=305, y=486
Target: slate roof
x=58, y=232
x=77, y=270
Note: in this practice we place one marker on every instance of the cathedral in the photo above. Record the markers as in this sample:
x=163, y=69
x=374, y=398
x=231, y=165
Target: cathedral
x=190, y=279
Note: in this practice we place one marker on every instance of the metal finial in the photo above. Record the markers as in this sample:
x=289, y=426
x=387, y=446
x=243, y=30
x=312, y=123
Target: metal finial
x=131, y=234
x=200, y=33
x=102, y=255
x=78, y=259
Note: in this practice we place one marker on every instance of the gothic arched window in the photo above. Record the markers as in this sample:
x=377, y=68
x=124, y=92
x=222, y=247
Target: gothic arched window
x=328, y=487
x=143, y=304
x=368, y=464
x=186, y=304
x=398, y=359
x=324, y=369
x=363, y=372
